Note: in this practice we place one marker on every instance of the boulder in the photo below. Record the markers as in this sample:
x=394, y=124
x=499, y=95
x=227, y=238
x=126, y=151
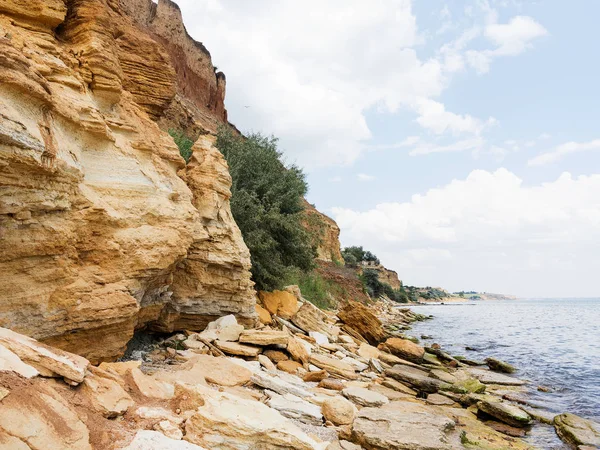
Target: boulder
x=368, y=351
x=233, y=348
x=296, y=408
x=154, y=440
x=358, y=317
x=280, y=303
x=416, y=378
x=338, y=410
x=403, y=348
x=264, y=337
x=263, y=315
x=46, y=359
x=364, y=397
x=392, y=360
x=505, y=412
x=577, y=431
x=299, y=349
x=402, y=425
x=335, y=367
x=224, y=329
x=310, y=318
x=105, y=393
x=498, y=365
x=229, y=422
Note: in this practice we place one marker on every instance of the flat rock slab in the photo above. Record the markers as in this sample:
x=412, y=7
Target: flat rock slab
x=364, y=397
x=42, y=357
x=577, y=431
x=505, y=412
x=219, y=370
x=488, y=377
x=397, y=386
x=10, y=362
x=294, y=407
x=442, y=375
x=416, y=378
x=233, y=348
x=402, y=425
x=391, y=394
x=279, y=385
x=335, y=367
x=439, y=400
x=264, y=337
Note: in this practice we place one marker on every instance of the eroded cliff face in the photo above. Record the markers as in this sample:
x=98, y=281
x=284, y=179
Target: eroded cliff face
x=325, y=233
x=103, y=227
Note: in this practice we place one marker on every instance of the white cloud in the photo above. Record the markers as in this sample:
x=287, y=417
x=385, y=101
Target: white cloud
x=489, y=231
x=310, y=70
x=510, y=39
x=562, y=150
x=473, y=144
x=434, y=117
x=336, y=179
x=364, y=177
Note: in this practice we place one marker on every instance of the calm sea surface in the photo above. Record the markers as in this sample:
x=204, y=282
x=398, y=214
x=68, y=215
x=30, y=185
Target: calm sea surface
x=554, y=343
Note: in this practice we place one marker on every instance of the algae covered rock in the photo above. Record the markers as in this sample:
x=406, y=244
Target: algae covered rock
x=577, y=431
x=498, y=365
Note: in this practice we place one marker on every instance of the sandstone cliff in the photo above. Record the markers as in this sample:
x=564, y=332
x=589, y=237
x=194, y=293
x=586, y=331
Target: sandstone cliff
x=325, y=232
x=103, y=227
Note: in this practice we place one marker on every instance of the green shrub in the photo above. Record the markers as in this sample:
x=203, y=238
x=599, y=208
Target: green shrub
x=183, y=142
x=315, y=288
x=266, y=204
x=354, y=255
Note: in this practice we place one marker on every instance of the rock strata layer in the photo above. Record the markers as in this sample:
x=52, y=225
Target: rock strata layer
x=103, y=227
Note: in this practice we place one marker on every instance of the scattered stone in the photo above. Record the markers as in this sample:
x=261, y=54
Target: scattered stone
x=498, y=365
x=233, y=348
x=403, y=348
x=543, y=389
x=264, y=337
x=332, y=384
x=319, y=338
x=289, y=366
x=276, y=355
x=335, y=367
x=310, y=318
x=375, y=365
x=276, y=384
x=47, y=360
x=402, y=425
x=364, y=397
x=266, y=363
x=577, y=431
x=299, y=350
x=505, y=412
x=295, y=408
x=358, y=366
x=315, y=376
x=338, y=410
x=471, y=385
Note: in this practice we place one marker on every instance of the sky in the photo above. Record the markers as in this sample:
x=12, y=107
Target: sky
x=457, y=140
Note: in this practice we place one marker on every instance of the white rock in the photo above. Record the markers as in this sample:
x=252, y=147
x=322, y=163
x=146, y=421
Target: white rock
x=169, y=429
x=319, y=338
x=364, y=397
x=276, y=384
x=224, y=329
x=356, y=363
x=295, y=408
x=154, y=440
x=149, y=412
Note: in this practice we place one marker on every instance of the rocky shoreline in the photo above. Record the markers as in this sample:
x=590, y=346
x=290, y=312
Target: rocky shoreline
x=305, y=379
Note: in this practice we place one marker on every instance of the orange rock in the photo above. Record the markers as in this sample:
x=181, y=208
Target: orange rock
x=403, y=348
x=263, y=315
x=358, y=317
x=316, y=376
x=281, y=303
x=289, y=366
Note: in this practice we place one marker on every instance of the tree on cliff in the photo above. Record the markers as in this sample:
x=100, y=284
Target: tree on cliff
x=266, y=203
